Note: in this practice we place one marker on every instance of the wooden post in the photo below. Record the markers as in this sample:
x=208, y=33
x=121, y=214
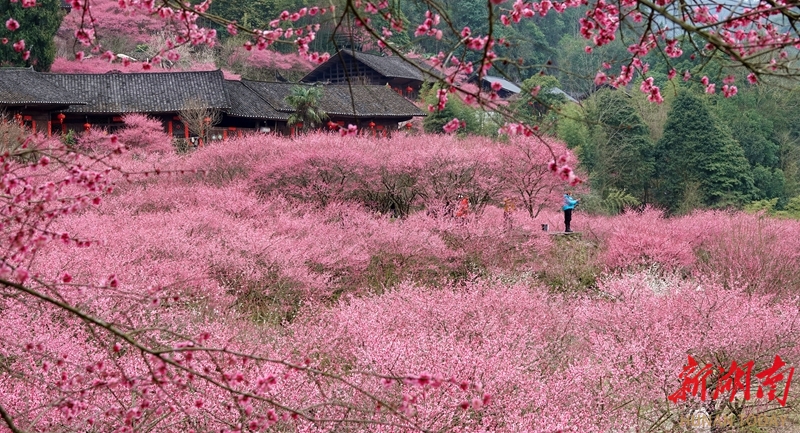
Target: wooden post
x=169, y=128
x=49, y=128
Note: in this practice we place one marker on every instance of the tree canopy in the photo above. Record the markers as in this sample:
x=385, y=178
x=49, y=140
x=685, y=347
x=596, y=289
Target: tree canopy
x=305, y=100
x=37, y=25
x=699, y=160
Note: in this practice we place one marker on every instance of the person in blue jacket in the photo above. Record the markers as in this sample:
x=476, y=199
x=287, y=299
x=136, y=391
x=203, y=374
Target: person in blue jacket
x=569, y=204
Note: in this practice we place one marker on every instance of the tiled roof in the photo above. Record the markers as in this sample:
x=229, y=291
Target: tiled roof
x=557, y=91
x=143, y=93
x=247, y=103
x=388, y=66
x=24, y=86
x=507, y=85
x=370, y=101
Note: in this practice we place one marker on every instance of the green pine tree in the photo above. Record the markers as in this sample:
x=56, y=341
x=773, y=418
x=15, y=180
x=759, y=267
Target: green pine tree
x=623, y=151
x=699, y=160
x=37, y=27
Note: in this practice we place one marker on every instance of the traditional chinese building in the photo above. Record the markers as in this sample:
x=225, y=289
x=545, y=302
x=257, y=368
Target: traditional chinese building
x=27, y=97
x=57, y=103
x=363, y=68
x=509, y=89
x=366, y=106
x=160, y=95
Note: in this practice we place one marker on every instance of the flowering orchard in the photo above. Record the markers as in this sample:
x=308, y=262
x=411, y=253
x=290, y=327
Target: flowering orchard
x=302, y=284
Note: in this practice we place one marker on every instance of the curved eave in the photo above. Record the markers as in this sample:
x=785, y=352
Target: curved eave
x=40, y=103
x=256, y=117
x=383, y=115
x=132, y=111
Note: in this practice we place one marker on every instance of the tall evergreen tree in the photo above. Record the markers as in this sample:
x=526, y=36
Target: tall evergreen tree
x=698, y=159
x=37, y=27
x=623, y=151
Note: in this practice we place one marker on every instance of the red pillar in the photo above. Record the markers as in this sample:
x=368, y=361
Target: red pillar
x=49, y=128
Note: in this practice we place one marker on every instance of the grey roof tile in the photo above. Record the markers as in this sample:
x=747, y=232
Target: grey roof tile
x=507, y=85
x=158, y=92
x=247, y=103
x=24, y=86
x=388, y=66
x=370, y=101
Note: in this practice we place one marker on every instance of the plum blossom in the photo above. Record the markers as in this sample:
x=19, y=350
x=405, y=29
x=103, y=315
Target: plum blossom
x=12, y=24
x=729, y=91
x=453, y=125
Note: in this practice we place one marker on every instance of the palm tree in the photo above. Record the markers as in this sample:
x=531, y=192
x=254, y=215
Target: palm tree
x=305, y=100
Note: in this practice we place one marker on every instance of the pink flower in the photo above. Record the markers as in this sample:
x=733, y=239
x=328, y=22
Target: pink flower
x=19, y=46
x=729, y=91
x=587, y=49
x=752, y=79
x=12, y=24
x=26, y=55
x=655, y=95
x=704, y=80
x=565, y=172
x=452, y=126
x=496, y=86
x=671, y=74
x=711, y=89
x=351, y=130
x=646, y=85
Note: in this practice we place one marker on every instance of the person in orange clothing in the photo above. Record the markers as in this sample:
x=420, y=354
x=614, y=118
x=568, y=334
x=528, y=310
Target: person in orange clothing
x=463, y=207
